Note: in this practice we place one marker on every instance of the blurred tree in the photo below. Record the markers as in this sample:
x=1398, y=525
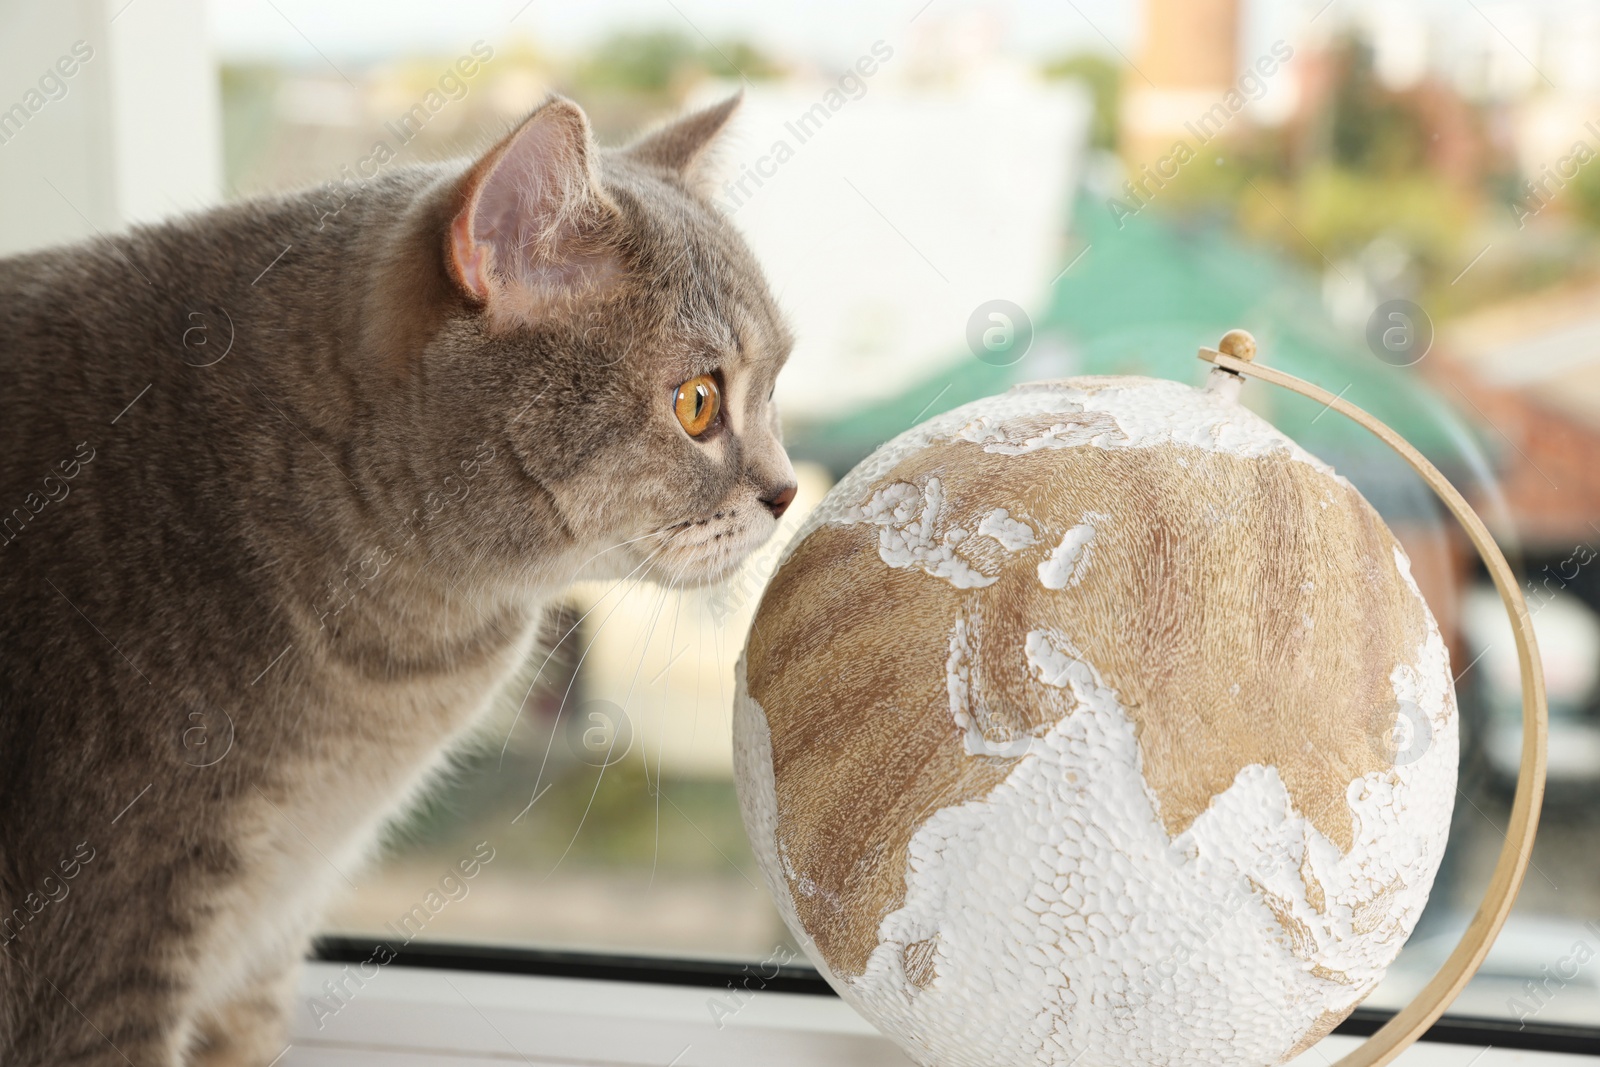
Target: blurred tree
x=1337, y=211
x=641, y=62
x=1370, y=128
x=1360, y=163
x=733, y=59
x=1583, y=195
x=661, y=62
x=1103, y=79
x=249, y=95
x=1342, y=214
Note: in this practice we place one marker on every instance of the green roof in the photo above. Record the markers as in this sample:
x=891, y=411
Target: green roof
x=1140, y=300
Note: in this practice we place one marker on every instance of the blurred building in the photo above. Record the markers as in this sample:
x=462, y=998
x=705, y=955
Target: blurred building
x=1529, y=368
x=1186, y=63
x=1528, y=372
x=844, y=185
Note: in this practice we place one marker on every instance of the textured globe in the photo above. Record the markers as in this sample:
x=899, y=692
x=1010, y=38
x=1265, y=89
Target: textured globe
x=1097, y=723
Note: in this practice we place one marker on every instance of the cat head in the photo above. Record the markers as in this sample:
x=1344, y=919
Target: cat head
x=636, y=343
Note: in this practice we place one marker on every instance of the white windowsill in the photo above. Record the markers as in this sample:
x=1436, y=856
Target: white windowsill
x=414, y=1017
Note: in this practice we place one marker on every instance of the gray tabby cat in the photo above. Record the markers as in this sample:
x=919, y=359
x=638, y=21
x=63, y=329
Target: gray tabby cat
x=314, y=472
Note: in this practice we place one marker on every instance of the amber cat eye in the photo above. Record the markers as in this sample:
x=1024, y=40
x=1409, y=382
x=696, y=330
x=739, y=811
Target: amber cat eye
x=697, y=404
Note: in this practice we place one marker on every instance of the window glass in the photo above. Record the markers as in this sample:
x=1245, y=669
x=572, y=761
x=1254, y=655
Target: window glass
x=1398, y=199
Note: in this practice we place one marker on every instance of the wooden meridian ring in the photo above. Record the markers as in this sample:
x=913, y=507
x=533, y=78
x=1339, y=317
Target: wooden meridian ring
x=1236, y=357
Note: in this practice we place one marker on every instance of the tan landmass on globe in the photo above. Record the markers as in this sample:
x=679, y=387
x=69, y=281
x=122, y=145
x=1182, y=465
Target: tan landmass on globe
x=1247, y=610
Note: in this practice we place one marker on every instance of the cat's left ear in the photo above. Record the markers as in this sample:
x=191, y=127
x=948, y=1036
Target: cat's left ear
x=534, y=224
x=680, y=146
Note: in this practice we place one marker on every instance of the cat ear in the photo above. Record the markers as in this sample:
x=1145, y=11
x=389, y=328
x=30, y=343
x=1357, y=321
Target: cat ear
x=534, y=222
x=680, y=146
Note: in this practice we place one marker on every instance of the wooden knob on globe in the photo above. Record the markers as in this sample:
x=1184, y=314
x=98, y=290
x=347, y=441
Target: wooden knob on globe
x=1097, y=722
x=1239, y=344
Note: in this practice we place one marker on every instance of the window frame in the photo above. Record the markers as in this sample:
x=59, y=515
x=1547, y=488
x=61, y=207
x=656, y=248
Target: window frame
x=804, y=979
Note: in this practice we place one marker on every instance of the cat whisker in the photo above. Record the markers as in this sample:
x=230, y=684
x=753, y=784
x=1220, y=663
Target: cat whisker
x=622, y=544
x=556, y=647
x=543, y=763
x=661, y=740
x=644, y=650
x=670, y=588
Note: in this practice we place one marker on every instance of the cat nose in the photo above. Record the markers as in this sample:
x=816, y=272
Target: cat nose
x=779, y=502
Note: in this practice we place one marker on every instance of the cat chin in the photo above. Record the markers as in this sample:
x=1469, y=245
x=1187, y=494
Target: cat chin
x=695, y=574
x=699, y=565
x=719, y=573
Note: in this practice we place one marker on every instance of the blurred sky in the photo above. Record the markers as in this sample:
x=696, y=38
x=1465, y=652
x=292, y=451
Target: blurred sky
x=824, y=30
x=833, y=32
